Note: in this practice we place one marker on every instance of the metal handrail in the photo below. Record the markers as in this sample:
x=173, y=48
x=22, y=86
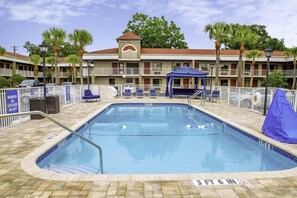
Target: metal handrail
x=61, y=125
x=196, y=94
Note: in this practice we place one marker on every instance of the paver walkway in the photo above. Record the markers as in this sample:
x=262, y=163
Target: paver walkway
x=18, y=141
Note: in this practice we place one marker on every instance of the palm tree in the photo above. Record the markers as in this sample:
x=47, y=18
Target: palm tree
x=51, y=61
x=218, y=31
x=242, y=37
x=81, y=38
x=73, y=59
x=292, y=52
x=35, y=59
x=55, y=37
x=253, y=54
x=2, y=51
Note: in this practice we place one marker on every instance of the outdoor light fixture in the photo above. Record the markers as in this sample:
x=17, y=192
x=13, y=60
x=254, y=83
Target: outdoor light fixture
x=268, y=51
x=211, y=68
x=43, y=47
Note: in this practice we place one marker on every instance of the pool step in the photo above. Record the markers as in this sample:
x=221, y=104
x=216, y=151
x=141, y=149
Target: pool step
x=72, y=169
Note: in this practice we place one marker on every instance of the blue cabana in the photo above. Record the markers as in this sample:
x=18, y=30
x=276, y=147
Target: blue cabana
x=183, y=72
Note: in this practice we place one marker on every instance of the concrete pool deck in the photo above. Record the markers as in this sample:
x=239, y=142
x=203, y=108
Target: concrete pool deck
x=18, y=142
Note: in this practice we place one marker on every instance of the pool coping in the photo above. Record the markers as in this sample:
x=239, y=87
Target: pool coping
x=29, y=165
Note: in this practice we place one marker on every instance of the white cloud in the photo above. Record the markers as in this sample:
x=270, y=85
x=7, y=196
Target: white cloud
x=278, y=16
x=51, y=12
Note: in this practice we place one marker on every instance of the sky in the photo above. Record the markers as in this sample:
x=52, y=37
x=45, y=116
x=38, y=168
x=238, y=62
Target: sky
x=25, y=20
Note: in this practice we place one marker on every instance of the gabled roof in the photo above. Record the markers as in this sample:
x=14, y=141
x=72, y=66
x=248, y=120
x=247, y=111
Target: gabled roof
x=129, y=36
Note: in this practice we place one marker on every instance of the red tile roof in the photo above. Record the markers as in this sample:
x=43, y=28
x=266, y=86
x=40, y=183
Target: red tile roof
x=105, y=51
x=18, y=56
x=129, y=36
x=183, y=51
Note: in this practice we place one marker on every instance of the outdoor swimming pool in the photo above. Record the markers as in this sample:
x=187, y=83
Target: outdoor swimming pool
x=162, y=138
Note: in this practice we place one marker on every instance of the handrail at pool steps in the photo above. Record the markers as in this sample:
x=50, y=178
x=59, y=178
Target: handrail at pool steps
x=199, y=92
x=61, y=125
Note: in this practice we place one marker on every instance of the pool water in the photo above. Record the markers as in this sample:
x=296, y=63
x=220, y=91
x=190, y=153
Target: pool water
x=162, y=138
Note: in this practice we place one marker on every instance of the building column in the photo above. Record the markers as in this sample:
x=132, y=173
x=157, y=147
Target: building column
x=243, y=72
x=13, y=67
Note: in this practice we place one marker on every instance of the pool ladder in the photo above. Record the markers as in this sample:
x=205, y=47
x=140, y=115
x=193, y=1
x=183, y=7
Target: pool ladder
x=61, y=125
x=195, y=95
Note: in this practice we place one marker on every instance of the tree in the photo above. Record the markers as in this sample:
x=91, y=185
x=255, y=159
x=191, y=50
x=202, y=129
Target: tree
x=51, y=61
x=253, y=54
x=264, y=39
x=73, y=59
x=49, y=74
x=276, y=79
x=55, y=37
x=156, y=32
x=16, y=79
x=292, y=52
x=31, y=48
x=4, y=82
x=218, y=32
x=35, y=59
x=66, y=49
x=242, y=37
x=81, y=38
x=2, y=51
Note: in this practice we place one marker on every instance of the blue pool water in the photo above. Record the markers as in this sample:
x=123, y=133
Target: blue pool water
x=162, y=138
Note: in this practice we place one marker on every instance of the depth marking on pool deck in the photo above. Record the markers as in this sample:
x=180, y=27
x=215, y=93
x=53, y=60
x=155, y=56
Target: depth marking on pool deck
x=212, y=182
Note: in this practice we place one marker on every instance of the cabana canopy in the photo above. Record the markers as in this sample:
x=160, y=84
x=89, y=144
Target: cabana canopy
x=183, y=72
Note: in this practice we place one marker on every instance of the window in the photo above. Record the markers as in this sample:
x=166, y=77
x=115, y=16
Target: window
x=111, y=81
x=129, y=80
x=157, y=82
x=1, y=65
x=186, y=64
x=204, y=67
x=224, y=82
x=20, y=67
x=176, y=82
x=176, y=66
x=157, y=66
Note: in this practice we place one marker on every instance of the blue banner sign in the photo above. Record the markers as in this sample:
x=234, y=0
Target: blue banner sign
x=32, y=91
x=67, y=93
x=12, y=101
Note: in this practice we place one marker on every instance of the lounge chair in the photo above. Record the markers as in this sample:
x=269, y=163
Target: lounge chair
x=139, y=93
x=207, y=94
x=153, y=93
x=127, y=93
x=215, y=95
x=88, y=96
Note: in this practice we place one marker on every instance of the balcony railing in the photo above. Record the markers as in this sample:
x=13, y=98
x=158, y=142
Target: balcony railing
x=127, y=71
x=145, y=72
x=5, y=72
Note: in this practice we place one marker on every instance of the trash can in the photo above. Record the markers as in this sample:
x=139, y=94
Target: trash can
x=52, y=104
x=37, y=104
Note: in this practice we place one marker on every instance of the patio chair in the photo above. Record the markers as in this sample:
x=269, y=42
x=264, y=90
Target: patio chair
x=88, y=96
x=139, y=93
x=127, y=93
x=153, y=93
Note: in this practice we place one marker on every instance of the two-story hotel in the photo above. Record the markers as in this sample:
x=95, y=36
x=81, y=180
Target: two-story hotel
x=130, y=63
x=147, y=67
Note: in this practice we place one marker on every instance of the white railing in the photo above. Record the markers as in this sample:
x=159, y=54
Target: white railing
x=253, y=98
x=5, y=72
x=248, y=98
